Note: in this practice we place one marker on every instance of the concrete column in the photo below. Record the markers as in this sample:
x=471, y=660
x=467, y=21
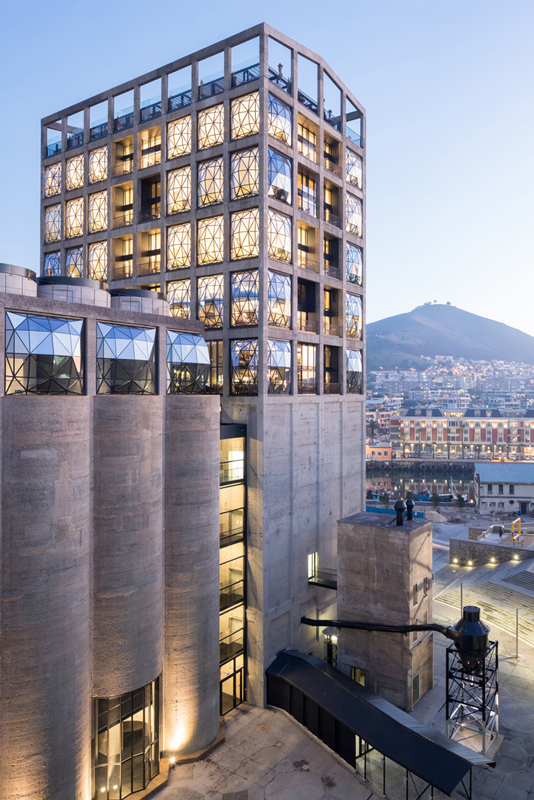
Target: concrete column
x=45, y=728
x=191, y=659
x=128, y=543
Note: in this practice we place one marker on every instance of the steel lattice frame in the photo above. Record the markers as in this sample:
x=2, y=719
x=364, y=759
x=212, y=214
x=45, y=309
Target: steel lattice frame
x=210, y=182
x=280, y=170
x=179, y=190
x=279, y=367
x=210, y=127
x=188, y=363
x=354, y=264
x=244, y=362
x=74, y=265
x=179, y=137
x=245, y=298
x=245, y=173
x=53, y=223
x=98, y=261
x=245, y=234
x=179, y=298
x=354, y=169
x=353, y=316
x=279, y=120
x=279, y=300
x=97, y=212
x=354, y=215
x=179, y=246
x=245, y=115
x=354, y=371
x=98, y=165
x=74, y=173
x=43, y=355
x=52, y=264
x=125, y=359
x=279, y=236
x=210, y=300
x=52, y=180
x=74, y=218
x=210, y=240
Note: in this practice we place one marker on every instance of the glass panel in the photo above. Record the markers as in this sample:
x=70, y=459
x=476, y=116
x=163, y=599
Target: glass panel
x=74, y=218
x=210, y=293
x=332, y=102
x=53, y=139
x=279, y=236
x=52, y=224
x=179, y=298
x=210, y=127
x=125, y=359
x=75, y=263
x=123, y=110
x=245, y=173
x=307, y=72
x=354, y=264
x=244, y=363
x=179, y=190
x=98, y=261
x=306, y=368
x=150, y=154
x=279, y=299
x=354, y=215
x=245, y=60
x=188, y=363
x=179, y=89
x=232, y=459
x=43, y=355
x=307, y=142
x=353, y=128
x=280, y=65
x=279, y=367
x=210, y=240
x=354, y=169
x=98, y=165
x=179, y=137
x=245, y=242
x=98, y=121
x=75, y=129
x=179, y=246
x=216, y=377
x=74, y=173
x=307, y=194
x=353, y=317
x=280, y=176
x=354, y=371
x=52, y=180
x=210, y=182
x=279, y=120
x=245, y=115
x=245, y=287
x=150, y=99
x=98, y=212
x=52, y=264
x=211, y=76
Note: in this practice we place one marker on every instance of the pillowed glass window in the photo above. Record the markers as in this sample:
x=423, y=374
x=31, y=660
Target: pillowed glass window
x=74, y=263
x=244, y=364
x=279, y=236
x=354, y=215
x=280, y=176
x=74, y=173
x=98, y=165
x=52, y=264
x=245, y=115
x=245, y=241
x=279, y=367
x=74, y=218
x=353, y=317
x=179, y=246
x=279, y=300
x=127, y=742
x=52, y=180
x=98, y=212
x=43, y=354
x=53, y=224
x=245, y=298
x=354, y=372
x=179, y=190
x=98, y=261
x=210, y=240
x=210, y=127
x=210, y=293
x=210, y=182
x=354, y=264
x=179, y=137
x=245, y=173
x=179, y=298
x=279, y=120
x=125, y=359
x=354, y=169
x=188, y=363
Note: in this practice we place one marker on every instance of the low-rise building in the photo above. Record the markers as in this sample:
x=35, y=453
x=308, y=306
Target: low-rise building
x=506, y=488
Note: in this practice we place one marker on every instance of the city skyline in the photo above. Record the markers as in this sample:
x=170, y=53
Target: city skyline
x=429, y=78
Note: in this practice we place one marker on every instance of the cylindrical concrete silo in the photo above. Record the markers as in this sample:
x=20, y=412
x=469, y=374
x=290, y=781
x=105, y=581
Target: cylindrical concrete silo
x=45, y=609
x=191, y=660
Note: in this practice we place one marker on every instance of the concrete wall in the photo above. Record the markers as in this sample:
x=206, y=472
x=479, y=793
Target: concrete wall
x=463, y=551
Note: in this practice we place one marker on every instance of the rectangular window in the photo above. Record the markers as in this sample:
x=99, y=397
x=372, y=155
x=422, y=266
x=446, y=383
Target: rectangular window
x=313, y=564
x=425, y=618
x=490, y=488
x=357, y=674
x=306, y=368
x=307, y=194
x=512, y=489
x=414, y=594
x=426, y=586
x=415, y=689
x=307, y=142
x=501, y=488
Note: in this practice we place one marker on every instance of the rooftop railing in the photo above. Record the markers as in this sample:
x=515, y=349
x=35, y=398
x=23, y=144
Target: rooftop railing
x=98, y=131
x=307, y=102
x=124, y=121
x=179, y=100
x=245, y=75
x=150, y=111
x=351, y=134
x=211, y=88
x=52, y=149
x=279, y=80
x=74, y=140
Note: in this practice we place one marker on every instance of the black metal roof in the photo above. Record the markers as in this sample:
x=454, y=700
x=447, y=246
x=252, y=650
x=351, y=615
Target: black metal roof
x=424, y=751
x=417, y=411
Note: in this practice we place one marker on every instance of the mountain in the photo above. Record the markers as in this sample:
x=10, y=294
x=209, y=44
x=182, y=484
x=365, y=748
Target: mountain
x=432, y=330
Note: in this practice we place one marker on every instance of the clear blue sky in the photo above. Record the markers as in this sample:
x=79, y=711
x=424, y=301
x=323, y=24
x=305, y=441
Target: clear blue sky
x=448, y=88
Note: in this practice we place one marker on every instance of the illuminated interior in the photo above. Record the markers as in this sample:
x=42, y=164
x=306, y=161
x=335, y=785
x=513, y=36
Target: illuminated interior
x=150, y=147
x=210, y=127
x=354, y=264
x=98, y=165
x=179, y=190
x=74, y=173
x=244, y=380
x=98, y=261
x=245, y=241
x=74, y=263
x=279, y=120
x=179, y=298
x=245, y=115
x=52, y=264
x=306, y=368
x=354, y=215
x=353, y=318
x=210, y=182
x=279, y=236
x=354, y=371
x=210, y=240
x=210, y=299
x=98, y=212
x=74, y=218
x=354, y=169
x=245, y=298
x=52, y=224
x=52, y=180
x=179, y=137
x=179, y=246
x=279, y=367
x=245, y=173
x=280, y=178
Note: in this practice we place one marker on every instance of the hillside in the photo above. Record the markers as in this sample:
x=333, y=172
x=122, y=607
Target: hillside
x=443, y=330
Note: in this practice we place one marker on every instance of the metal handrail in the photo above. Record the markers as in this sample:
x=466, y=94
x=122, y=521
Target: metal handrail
x=332, y=218
x=74, y=140
x=306, y=388
x=52, y=149
x=245, y=75
x=210, y=89
x=148, y=267
x=307, y=102
x=98, y=131
x=124, y=271
x=123, y=122
x=279, y=80
x=179, y=100
x=150, y=111
x=334, y=272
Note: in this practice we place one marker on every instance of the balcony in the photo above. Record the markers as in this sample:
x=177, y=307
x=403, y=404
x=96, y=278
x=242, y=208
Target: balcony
x=123, y=122
x=150, y=111
x=332, y=120
x=331, y=327
x=279, y=80
x=245, y=75
x=327, y=578
x=124, y=167
x=307, y=387
x=331, y=165
x=332, y=218
x=333, y=272
x=232, y=645
x=332, y=388
x=231, y=595
x=151, y=266
x=232, y=471
x=211, y=88
x=307, y=261
x=122, y=271
x=232, y=526
x=98, y=131
x=307, y=202
x=307, y=102
x=53, y=149
x=180, y=100
x=74, y=140
x=125, y=218
x=305, y=324
x=148, y=214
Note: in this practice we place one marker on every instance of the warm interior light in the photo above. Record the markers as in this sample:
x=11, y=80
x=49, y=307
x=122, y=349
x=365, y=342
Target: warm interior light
x=469, y=563
x=172, y=760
